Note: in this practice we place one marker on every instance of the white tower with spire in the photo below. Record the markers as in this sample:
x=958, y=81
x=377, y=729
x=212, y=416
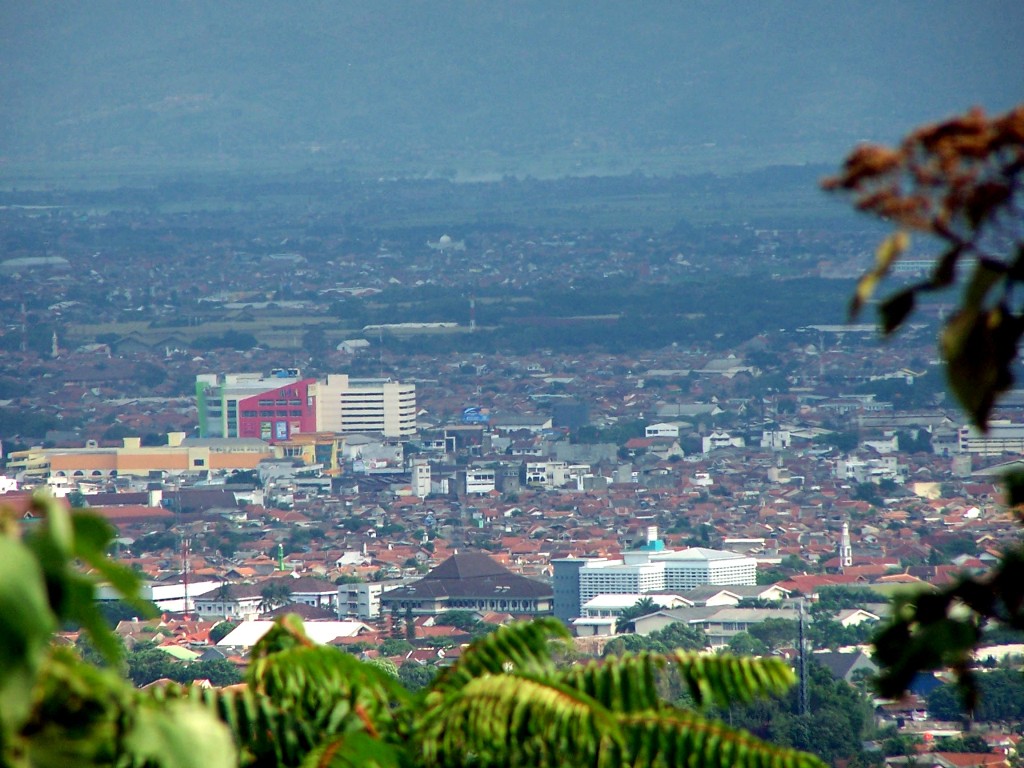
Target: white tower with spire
x=845, y=548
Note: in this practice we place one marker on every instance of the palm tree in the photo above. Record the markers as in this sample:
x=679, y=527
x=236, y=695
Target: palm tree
x=274, y=594
x=641, y=607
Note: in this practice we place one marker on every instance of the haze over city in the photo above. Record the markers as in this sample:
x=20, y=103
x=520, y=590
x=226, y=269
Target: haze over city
x=422, y=319
x=475, y=90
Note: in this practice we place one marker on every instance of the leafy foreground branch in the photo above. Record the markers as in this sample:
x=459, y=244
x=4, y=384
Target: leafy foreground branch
x=505, y=702
x=959, y=182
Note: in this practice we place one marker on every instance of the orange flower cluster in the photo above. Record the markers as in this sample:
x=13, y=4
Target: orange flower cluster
x=947, y=178
x=959, y=181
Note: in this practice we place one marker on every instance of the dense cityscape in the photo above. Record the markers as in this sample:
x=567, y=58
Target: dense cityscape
x=407, y=441
x=450, y=384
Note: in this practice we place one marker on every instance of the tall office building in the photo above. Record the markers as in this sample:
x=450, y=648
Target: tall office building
x=366, y=405
x=565, y=581
x=649, y=569
x=284, y=404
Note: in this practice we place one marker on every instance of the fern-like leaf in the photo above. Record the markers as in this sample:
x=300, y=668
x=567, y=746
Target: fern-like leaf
x=513, y=720
x=620, y=683
x=677, y=737
x=523, y=647
x=353, y=750
x=302, y=697
x=723, y=680
x=323, y=683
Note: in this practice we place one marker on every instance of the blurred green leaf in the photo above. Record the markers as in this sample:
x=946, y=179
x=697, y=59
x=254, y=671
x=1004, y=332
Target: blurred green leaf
x=1014, y=482
x=979, y=349
x=895, y=309
x=26, y=623
x=889, y=250
x=181, y=734
x=986, y=274
x=353, y=750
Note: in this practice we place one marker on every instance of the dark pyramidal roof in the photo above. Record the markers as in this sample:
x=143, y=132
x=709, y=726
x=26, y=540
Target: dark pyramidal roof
x=475, y=575
x=471, y=565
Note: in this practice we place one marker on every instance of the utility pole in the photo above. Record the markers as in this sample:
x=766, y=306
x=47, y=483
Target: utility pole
x=802, y=657
x=184, y=570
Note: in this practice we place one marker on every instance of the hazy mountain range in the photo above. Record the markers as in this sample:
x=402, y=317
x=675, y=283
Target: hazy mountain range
x=476, y=88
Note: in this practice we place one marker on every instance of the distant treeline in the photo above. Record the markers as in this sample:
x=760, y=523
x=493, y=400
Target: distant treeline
x=714, y=314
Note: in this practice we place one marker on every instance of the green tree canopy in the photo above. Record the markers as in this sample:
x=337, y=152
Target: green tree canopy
x=1000, y=698
x=464, y=620
x=222, y=630
x=396, y=646
x=837, y=720
x=274, y=594
x=745, y=644
x=774, y=633
x=415, y=676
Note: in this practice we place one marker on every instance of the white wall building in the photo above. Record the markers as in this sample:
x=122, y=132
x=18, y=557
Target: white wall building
x=615, y=577
x=871, y=470
x=776, y=439
x=420, y=472
x=346, y=405
x=551, y=474
x=480, y=480
x=604, y=606
x=362, y=599
x=249, y=632
x=166, y=597
x=653, y=570
x=1002, y=437
x=693, y=567
x=720, y=439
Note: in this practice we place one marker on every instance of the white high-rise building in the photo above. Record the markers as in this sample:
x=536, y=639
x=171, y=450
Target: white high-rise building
x=349, y=405
x=614, y=577
x=650, y=569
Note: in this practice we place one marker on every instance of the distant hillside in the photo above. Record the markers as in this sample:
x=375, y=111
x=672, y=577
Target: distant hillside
x=468, y=88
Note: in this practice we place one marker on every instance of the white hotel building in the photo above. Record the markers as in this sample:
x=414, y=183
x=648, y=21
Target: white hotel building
x=651, y=569
x=347, y=405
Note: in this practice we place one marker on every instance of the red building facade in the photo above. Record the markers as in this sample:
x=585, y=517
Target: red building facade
x=279, y=413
